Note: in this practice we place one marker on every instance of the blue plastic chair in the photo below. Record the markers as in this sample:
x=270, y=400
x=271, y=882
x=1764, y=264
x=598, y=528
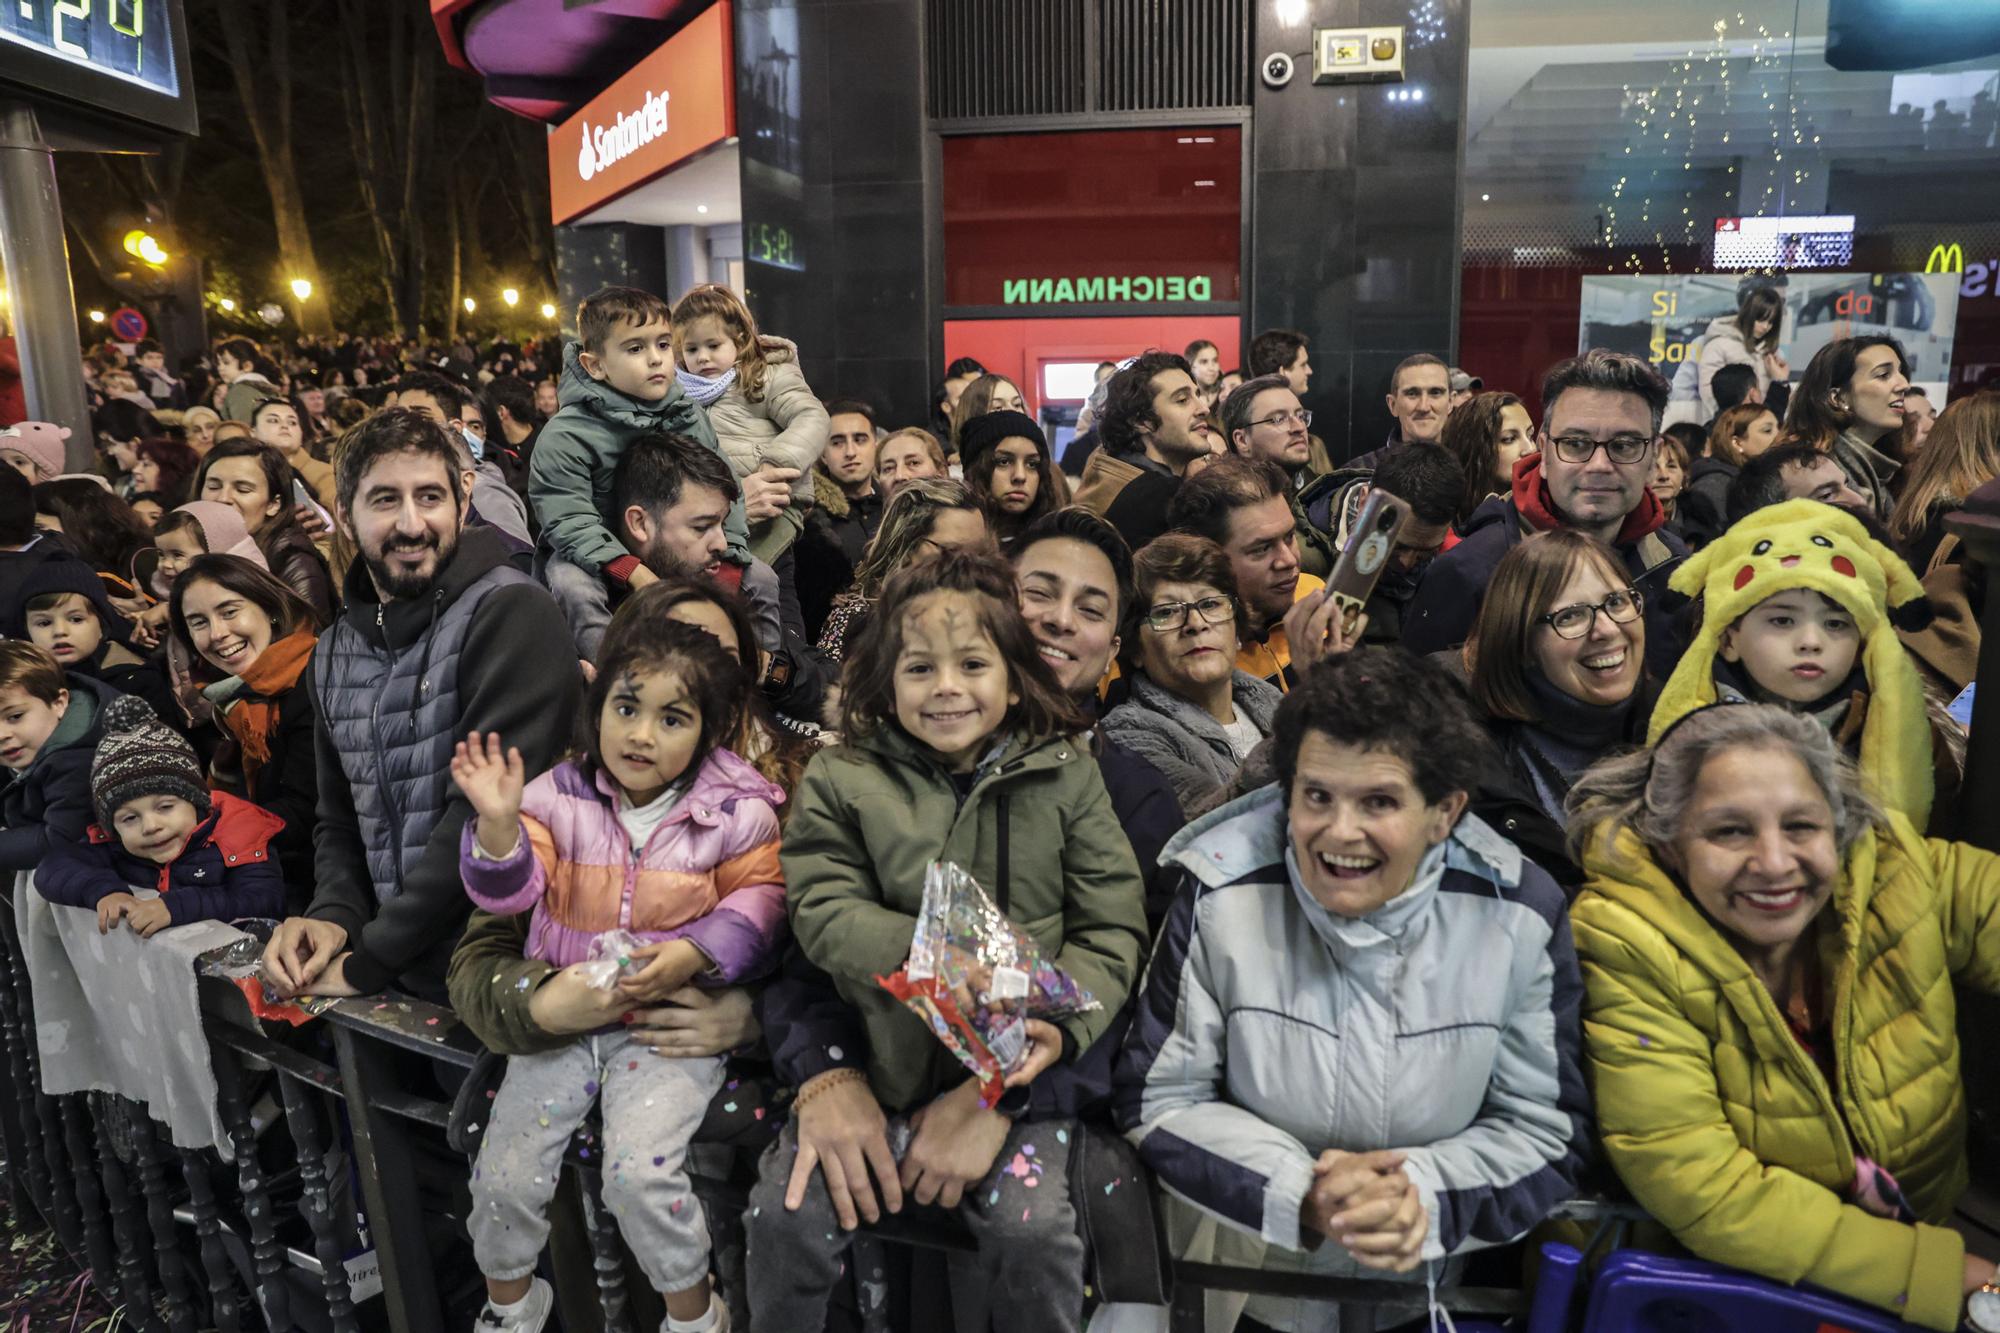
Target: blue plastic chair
x=1639, y=1292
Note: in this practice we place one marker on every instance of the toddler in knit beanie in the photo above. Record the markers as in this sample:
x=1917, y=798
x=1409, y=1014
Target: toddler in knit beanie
x=140, y=757
x=206, y=855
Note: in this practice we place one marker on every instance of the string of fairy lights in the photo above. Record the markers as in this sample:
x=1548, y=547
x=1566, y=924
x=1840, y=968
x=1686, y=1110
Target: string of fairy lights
x=1745, y=69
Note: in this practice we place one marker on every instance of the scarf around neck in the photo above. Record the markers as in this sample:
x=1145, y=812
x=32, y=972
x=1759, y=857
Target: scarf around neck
x=704, y=390
x=250, y=709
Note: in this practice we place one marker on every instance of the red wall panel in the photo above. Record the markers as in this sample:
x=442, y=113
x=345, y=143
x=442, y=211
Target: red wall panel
x=1017, y=348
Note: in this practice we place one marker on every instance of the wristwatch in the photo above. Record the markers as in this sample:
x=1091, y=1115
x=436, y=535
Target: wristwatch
x=778, y=675
x=1982, y=1309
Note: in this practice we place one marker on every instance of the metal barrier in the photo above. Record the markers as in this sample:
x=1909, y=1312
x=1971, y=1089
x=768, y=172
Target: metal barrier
x=73, y=1161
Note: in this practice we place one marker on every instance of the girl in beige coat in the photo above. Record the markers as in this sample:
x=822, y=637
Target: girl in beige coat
x=770, y=425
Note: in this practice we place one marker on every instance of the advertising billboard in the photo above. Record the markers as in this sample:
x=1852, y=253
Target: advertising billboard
x=1665, y=319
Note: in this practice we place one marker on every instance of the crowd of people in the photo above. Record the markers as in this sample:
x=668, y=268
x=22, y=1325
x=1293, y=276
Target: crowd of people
x=1591, y=848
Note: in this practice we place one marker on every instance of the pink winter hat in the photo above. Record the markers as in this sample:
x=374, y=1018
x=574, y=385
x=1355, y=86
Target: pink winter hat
x=41, y=443
x=223, y=530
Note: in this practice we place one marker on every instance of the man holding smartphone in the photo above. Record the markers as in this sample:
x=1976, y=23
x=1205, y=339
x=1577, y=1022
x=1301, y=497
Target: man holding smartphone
x=1244, y=505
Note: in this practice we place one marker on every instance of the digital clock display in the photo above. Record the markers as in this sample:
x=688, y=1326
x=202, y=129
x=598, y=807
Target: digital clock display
x=770, y=243
x=130, y=40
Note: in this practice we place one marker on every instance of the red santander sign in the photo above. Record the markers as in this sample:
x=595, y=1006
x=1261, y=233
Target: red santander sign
x=675, y=103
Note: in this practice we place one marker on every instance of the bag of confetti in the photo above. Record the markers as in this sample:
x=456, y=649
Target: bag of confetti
x=976, y=978
x=610, y=957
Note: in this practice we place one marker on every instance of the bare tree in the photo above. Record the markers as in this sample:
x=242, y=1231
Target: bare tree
x=388, y=94
x=264, y=87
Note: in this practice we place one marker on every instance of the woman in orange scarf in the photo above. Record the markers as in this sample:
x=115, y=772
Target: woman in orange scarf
x=251, y=638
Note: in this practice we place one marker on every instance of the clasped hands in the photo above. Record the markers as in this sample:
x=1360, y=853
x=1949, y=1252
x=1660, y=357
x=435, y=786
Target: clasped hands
x=1369, y=1205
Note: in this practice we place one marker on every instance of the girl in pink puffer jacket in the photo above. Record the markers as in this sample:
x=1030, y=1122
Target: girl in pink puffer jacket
x=661, y=832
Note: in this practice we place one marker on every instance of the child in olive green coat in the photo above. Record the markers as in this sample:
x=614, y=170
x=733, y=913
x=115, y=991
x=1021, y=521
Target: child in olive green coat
x=959, y=746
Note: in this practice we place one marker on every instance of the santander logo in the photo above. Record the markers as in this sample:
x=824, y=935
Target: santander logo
x=607, y=144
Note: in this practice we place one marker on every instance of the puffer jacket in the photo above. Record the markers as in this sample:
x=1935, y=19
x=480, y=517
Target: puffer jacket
x=785, y=427
x=708, y=874
x=225, y=871
x=49, y=800
x=1036, y=830
x=1445, y=1024
x=569, y=476
x=394, y=686
x=1724, y=345
x=1722, y=1125
x=1187, y=745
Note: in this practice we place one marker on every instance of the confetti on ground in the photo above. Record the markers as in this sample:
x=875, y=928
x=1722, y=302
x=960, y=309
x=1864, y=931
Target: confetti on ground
x=675, y=1207
x=729, y=1107
x=659, y=1161
x=1062, y=1136
x=590, y=1088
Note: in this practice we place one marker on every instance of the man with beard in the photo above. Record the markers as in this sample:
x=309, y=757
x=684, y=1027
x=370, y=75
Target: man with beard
x=1154, y=426
x=1244, y=505
x=441, y=637
x=670, y=495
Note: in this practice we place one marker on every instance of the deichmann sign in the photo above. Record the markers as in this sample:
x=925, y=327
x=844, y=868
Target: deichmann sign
x=675, y=103
x=1102, y=291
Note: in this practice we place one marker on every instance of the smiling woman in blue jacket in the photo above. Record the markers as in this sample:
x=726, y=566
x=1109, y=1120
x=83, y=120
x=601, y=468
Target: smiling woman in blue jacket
x=1361, y=1022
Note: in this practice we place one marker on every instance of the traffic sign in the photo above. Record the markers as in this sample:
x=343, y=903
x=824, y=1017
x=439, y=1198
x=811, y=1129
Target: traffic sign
x=128, y=324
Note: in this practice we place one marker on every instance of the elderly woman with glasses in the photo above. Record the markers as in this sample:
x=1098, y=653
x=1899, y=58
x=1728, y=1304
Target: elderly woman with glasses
x=1557, y=663
x=1771, y=964
x=1190, y=713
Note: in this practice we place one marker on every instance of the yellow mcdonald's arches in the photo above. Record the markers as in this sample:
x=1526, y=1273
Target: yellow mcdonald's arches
x=1946, y=259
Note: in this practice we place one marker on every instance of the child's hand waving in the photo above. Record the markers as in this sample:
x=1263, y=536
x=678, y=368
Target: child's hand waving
x=492, y=782
x=147, y=918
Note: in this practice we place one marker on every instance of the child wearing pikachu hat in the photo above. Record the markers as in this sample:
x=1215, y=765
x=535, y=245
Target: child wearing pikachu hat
x=1800, y=607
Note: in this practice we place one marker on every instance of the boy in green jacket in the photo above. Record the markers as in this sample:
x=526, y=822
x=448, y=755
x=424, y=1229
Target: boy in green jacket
x=619, y=383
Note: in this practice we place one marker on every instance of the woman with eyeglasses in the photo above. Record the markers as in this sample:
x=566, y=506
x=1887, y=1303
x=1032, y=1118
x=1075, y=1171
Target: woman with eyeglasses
x=1557, y=662
x=1190, y=713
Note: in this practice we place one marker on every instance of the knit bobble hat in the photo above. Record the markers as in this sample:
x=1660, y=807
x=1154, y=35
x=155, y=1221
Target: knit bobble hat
x=141, y=756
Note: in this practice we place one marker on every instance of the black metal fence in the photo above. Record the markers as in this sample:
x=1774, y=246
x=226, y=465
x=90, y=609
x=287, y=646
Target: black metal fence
x=347, y=1178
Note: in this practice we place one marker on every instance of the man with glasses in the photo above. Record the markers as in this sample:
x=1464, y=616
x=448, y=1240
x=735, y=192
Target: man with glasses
x=1262, y=419
x=1600, y=419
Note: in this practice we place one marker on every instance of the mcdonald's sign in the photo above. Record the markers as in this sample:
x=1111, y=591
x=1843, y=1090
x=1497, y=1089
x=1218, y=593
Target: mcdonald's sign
x=1946, y=259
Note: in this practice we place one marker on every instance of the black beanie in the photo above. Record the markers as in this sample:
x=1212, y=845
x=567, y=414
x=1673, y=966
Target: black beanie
x=983, y=434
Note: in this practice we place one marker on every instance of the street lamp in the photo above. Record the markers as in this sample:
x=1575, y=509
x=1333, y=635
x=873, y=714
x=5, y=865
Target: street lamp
x=511, y=297
x=470, y=305
x=302, y=288
x=548, y=310
x=97, y=316
x=228, y=306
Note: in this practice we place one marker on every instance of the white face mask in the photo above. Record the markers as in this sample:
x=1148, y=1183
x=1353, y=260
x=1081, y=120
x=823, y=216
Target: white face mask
x=474, y=443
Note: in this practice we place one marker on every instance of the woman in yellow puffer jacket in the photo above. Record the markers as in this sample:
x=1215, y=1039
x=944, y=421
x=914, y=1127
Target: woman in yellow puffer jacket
x=1769, y=962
